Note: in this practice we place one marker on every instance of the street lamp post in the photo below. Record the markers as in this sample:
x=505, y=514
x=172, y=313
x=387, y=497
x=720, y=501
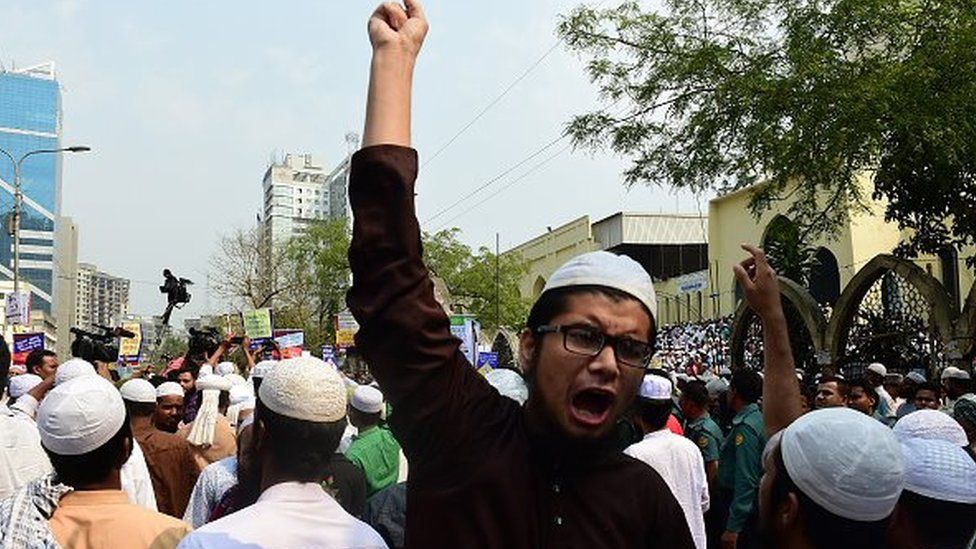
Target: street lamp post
x=18, y=199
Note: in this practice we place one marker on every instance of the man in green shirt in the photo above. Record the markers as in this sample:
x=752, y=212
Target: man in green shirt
x=374, y=450
x=740, y=461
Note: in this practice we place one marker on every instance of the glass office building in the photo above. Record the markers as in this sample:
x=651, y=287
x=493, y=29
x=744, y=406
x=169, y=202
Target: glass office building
x=30, y=119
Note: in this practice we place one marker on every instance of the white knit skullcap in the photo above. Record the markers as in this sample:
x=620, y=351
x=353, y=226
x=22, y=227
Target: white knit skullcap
x=932, y=425
x=72, y=368
x=263, y=368
x=366, y=399
x=80, y=415
x=138, y=390
x=225, y=368
x=878, y=368
x=846, y=462
x=508, y=383
x=169, y=388
x=954, y=373
x=608, y=270
x=939, y=470
x=236, y=379
x=212, y=382
x=19, y=385
x=305, y=388
x=240, y=393
x=915, y=376
x=654, y=387
x=716, y=386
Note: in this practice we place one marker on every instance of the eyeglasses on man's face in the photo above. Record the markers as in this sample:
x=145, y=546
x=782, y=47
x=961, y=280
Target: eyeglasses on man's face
x=588, y=341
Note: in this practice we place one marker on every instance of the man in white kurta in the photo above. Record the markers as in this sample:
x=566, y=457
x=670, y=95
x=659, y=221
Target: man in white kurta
x=674, y=457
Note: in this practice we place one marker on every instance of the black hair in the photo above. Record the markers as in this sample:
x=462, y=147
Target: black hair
x=301, y=450
x=139, y=409
x=865, y=386
x=940, y=524
x=842, y=386
x=36, y=358
x=555, y=302
x=654, y=413
x=747, y=384
x=190, y=369
x=821, y=527
x=94, y=466
x=929, y=386
x=4, y=363
x=695, y=391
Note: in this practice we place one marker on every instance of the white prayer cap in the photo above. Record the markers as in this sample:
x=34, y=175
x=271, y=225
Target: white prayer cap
x=608, y=270
x=508, y=383
x=263, y=368
x=72, y=368
x=915, y=376
x=655, y=387
x=212, y=382
x=205, y=370
x=19, y=385
x=878, y=368
x=80, y=415
x=930, y=424
x=249, y=404
x=846, y=462
x=225, y=368
x=236, y=379
x=305, y=388
x=138, y=390
x=367, y=399
x=240, y=393
x=954, y=373
x=169, y=388
x=716, y=386
x=939, y=470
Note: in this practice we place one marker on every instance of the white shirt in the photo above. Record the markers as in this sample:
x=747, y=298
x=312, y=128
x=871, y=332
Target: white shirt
x=680, y=464
x=889, y=410
x=290, y=514
x=136, y=482
x=21, y=457
x=212, y=484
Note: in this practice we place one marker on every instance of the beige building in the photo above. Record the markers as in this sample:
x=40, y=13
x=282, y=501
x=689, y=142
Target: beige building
x=102, y=298
x=65, y=282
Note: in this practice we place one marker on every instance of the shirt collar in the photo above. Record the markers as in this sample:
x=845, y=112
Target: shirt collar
x=93, y=497
x=660, y=433
x=746, y=411
x=294, y=491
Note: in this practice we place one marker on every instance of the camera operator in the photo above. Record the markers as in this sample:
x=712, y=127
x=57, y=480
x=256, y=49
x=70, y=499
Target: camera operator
x=176, y=293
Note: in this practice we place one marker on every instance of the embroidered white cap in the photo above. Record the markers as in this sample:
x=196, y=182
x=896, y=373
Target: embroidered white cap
x=80, y=415
x=305, y=388
x=169, y=388
x=19, y=385
x=939, y=470
x=878, y=368
x=655, y=387
x=608, y=270
x=930, y=424
x=367, y=399
x=138, y=390
x=72, y=368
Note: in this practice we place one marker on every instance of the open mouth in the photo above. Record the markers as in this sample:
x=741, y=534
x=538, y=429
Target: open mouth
x=592, y=406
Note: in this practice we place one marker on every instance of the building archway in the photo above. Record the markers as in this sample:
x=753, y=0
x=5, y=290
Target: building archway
x=538, y=286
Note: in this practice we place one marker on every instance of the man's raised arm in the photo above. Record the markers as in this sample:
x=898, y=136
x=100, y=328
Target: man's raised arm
x=781, y=392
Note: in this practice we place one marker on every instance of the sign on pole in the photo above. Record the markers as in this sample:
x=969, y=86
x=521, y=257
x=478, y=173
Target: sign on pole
x=17, y=308
x=346, y=328
x=465, y=327
x=257, y=324
x=290, y=343
x=130, y=348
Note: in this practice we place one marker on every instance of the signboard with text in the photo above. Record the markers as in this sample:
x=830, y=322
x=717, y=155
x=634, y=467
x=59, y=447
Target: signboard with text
x=258, y=324
x=290, y=343
x=130, y=348
x=24, y=344
x=346, y=328
x=692, y=282
x=17, y=308
x=464, y=327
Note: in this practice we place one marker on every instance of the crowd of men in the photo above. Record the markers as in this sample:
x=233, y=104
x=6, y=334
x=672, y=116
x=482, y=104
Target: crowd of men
x=694, y=347
x=589, y=444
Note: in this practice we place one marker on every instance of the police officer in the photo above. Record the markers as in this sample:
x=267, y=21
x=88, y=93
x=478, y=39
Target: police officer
x=700, y=427
x=740, y=463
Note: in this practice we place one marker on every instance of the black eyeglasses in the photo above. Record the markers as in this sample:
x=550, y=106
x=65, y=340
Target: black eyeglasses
x=587, y=341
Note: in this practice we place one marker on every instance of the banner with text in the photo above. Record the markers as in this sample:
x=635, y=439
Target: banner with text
x=258, y=324
x=24, y=344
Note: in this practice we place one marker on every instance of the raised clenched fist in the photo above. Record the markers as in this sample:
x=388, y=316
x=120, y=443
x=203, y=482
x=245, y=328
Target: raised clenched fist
x=394, y=27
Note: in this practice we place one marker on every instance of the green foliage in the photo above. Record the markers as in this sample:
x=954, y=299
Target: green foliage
x=471, y=280
x=724, y=94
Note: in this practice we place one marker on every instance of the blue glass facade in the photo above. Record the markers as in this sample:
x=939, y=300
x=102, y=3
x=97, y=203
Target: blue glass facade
x=30, y=119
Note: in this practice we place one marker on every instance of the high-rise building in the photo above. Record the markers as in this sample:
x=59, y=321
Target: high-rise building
x=102, y=298
x=297, y=191
x=30, y=119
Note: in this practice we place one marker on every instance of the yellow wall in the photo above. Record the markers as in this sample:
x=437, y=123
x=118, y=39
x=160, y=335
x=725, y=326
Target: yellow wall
x=548, y=252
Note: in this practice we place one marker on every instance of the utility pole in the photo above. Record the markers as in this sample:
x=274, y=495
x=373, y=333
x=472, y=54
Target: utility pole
x=498, y=316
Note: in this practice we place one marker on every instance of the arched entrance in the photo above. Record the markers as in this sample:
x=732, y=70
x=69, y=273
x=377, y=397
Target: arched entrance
x=825, y=278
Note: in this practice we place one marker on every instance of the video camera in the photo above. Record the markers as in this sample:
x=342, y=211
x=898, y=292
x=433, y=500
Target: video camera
x=101, y=347
x=203, y=341
x=176, y=292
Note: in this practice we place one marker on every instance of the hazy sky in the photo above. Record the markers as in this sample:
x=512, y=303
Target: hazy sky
x=184, y=102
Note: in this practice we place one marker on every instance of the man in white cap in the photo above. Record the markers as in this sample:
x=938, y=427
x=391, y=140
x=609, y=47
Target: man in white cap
x=483, y=468
x=169, y=407
x=957, y=384
x=373, y=449
x=907, y=391
x=136, y=479
x=20, y=385
x=833, y=479
x=674, y=457
x=875, y=375
x=210, y=435
x=300, y=417
x=168, y=457
x=21, y=456
x=83, y=429
x=937, y=509
x=930, y=424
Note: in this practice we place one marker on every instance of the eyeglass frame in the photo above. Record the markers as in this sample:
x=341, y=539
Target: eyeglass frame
x=607, y=340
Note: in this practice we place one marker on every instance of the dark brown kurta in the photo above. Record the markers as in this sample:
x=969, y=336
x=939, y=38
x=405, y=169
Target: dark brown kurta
x=171, y=468
x=479, y=477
